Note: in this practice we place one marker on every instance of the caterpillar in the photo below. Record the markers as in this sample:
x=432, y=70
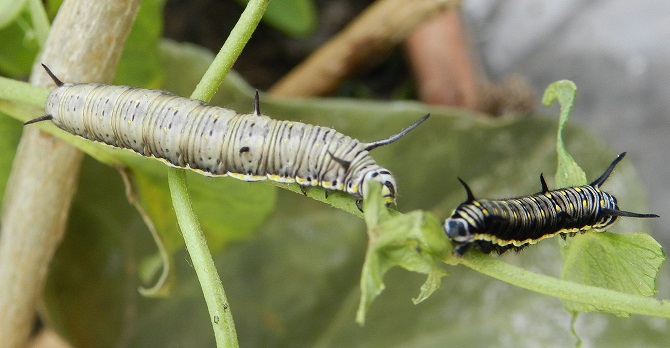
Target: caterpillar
x=500, y=225
x=215, y=141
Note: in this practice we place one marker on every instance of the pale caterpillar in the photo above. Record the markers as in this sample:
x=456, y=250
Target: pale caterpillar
x=215, y=141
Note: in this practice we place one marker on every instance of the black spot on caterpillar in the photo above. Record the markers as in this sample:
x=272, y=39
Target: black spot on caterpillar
x=500, y=225
x=215, y=141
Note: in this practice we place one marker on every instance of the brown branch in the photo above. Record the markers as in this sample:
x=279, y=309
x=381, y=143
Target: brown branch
x=447, y=72
x=381, y=27
x=85, y=44
x=439, y=54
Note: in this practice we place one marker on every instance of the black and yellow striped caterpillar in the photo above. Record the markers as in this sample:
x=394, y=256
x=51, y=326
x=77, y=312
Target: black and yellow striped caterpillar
x=215, y=141
x=500, y=225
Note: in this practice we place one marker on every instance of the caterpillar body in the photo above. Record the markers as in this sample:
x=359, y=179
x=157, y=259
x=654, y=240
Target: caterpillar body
x=500, y=225
x=215, y=141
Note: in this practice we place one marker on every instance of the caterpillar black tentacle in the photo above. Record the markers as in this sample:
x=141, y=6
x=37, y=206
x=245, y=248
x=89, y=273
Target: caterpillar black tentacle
x=216, y=141
x=545, y=188
x=501, y=225
x=39, y=119
x=55, y=79
x=257, y=104
x=376, y=144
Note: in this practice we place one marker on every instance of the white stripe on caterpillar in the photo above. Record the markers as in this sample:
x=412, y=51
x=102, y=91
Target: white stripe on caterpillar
x=215, y=141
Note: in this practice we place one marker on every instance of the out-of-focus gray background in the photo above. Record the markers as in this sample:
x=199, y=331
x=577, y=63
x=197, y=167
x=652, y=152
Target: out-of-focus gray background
x=617, y=53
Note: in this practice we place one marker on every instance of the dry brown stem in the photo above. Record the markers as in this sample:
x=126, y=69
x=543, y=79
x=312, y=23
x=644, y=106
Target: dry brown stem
x=84, y=45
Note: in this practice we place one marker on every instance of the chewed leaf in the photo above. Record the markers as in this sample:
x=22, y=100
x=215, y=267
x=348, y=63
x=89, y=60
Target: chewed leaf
x=568, y=173
x=401, y=240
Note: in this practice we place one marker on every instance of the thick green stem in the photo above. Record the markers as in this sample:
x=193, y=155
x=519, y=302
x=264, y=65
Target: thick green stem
x=212, y=288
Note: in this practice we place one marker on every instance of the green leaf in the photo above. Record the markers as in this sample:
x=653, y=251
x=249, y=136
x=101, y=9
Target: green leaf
x=9, y=11
x=627, y=263
x=295, y=18
x=600, y=259
x=18, y=45
x=402, y=240
x=568, y=172
x=140, y=62
x=96, y=262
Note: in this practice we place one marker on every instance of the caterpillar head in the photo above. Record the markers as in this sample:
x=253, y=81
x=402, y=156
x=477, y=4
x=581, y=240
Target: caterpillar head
x=607, y=204
x=458, y=230
x=387, y=180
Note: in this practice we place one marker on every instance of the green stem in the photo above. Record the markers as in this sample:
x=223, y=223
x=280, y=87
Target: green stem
x=196, y=244
x=230, y=50
x=203, y=263
x=600, y=299
x=22, y=93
